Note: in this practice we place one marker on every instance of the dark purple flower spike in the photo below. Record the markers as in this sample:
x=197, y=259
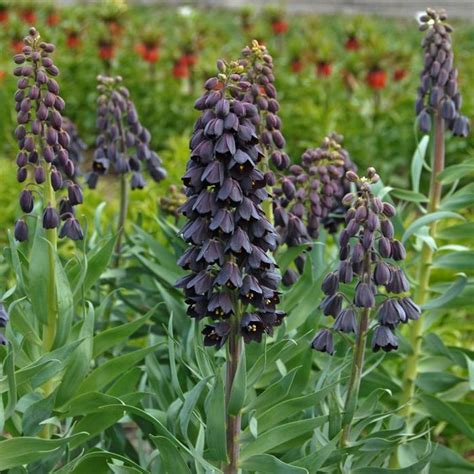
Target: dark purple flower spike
x=368, y=257
x=43, y=140
x=123, y=144
x=438, y=92
x=232, y=279
x=311, y=195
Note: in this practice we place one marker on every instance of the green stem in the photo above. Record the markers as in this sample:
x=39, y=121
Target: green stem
x=233, y=423
x=424, y=271
x=49, y=330
x=356, y=374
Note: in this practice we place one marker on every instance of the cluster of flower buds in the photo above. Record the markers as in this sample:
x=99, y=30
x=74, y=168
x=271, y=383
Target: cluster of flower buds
x=123, y=143
x=258, y=66
x=310, y=195
x=42, y=140
x=438, y=92
x=368, y=255
x=171, y=203
x=232, y=277
x=76, y=147
x=3, y=324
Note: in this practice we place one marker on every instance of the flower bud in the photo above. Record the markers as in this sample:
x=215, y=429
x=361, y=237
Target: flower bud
x=21, y=230
x=50, y=218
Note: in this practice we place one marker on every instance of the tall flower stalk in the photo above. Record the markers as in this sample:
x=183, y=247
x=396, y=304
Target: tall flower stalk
x=232, y=280
x=438, y=101
x=368, y=254
x=43, y=145
x=122, y=147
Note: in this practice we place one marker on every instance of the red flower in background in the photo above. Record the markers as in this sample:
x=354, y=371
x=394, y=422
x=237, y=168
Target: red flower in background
x=115, y=28
x=148, y=52
x=28, y=16
x=2, y=75
x=400, y=74
x=279, y=27
x=190, y=59
x=181, y=68
x=53, y=19
x=16, y=45
x=3, y=15
x=73, y=41
x=324, y=68
x=377, y=78
x=296, y=65
x=106, y=51
x=352, y=43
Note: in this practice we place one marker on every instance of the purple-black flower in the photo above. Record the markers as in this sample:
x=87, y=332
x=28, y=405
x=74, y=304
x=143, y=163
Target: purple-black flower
x=323, y=342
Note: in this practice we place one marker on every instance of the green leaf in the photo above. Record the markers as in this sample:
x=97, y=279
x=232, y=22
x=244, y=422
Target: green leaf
x=273, y=393
x=410, y=196
x=190, y=400
x=43, y=369
x=39, y=276
x=265, y=463
x=79, y=365
x=16, y=264
x=446, y=461
x=35, y=414
x=12, y=384
x=171, y=458
x=25, y=450
x=112, y=369
x=216, y=422
x=111, y=337
x=454, y=290
x=443, y=411
x=457, y=232
x=278, y=436
x=89, y=402
x=287, y=408
x=415, y=468
x=428, y=219
x=239, y=386
x=97, y=261
x=455, y=172
x=434, y=382
x=462, y=261
x=417, y=162
x=90, y=462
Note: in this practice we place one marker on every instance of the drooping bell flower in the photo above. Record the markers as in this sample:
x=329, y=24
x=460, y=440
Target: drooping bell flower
x=76, y=147
x=43, y=160
x=228, y=234
x=3, y=324
x=438, y=92
x=369, y=256
x=122, y=144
